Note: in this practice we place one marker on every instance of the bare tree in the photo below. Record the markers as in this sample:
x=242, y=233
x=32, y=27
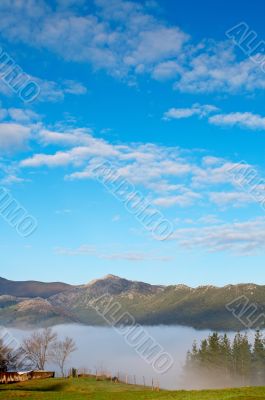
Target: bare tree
x=9, y=358
x=61, y=351
x=37, y=348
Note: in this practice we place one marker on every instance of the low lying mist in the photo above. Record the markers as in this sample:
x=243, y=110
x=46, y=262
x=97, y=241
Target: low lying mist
x=103, y=349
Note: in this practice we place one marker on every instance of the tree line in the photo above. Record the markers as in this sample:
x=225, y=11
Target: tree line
x=36, y=351
x=219, y=361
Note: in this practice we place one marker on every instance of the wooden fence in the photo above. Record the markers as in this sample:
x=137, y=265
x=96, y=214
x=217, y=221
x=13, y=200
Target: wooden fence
x=103, y=375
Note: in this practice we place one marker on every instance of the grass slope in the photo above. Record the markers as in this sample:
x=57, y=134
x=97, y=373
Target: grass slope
x=85, y=388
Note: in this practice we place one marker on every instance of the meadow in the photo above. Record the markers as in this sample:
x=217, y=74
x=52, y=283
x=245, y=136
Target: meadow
x=89, y=388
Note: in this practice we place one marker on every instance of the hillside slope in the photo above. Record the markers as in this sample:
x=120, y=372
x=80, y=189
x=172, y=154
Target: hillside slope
x=201, y=307
x=31, y=288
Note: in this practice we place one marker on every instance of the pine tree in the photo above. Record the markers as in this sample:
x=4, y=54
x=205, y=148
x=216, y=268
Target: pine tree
x=246, y=358
x=226, y=359
x=258, y=360
x=221, y=362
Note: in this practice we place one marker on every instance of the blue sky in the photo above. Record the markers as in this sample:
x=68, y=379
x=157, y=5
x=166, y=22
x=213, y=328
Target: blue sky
x=158, y=89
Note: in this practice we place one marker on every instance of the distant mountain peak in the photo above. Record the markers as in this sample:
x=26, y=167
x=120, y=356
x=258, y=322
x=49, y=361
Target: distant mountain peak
x=104, y=278
x=110, y=276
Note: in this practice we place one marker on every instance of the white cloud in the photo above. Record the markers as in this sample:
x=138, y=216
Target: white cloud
x=11, y=179
x=22, y=115
x=126, y=39
x=234, y=199
x=75, y=156
x=81, y=250
x=90, y=250
x=138, y=40
x=71, y=138
x=9, y=172
x=213, y=67
x=209, y=219
x=83, y=147
x=169, y=176
x=135, y=257
x=13, y=136
x=196, y=109
x=241, y=119
x=156, y=44
x=50, y=91
x=243, y=238
x=213, y=174
x=56, y=91
x=166, y=70
x=55, y=160
x=211, y=160
x=184, y=199
x=74, y=87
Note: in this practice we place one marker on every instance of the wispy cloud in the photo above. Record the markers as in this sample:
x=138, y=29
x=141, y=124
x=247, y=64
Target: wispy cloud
x=241, y=238
x=21, y=115
x=126, y=39
x=170, y=176
x=184, y=199
x=234, y=199
x=245, y=120
x=56, y=91
x=196, y=109
x=242, y=119
x=89, y=250
x=13, y=136
x=213, y=67
x=73, y=137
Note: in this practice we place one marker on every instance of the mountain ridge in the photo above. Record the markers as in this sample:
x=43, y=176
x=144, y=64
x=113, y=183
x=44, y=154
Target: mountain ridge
x=31, y=288
x=27, y=303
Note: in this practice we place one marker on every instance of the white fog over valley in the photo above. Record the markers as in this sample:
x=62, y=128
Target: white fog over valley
x=103, y=349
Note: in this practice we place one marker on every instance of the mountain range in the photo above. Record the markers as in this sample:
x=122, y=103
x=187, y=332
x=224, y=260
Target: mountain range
x=30, y=303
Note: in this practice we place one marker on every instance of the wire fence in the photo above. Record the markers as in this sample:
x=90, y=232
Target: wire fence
x=119, y=377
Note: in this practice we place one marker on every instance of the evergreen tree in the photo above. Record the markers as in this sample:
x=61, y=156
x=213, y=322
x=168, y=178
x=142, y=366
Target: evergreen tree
x=258, y=360
x=224, y=363
x=226, y=355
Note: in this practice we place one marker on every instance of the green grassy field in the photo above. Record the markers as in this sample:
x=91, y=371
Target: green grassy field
x=85, y=388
